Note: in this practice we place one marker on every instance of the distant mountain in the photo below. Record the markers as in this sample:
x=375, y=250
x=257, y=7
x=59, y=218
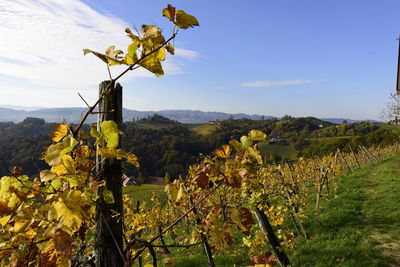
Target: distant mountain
x=73, y=115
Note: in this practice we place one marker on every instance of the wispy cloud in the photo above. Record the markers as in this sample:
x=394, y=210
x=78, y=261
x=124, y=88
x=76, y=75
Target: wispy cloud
x=42, y=42
x=263, y=84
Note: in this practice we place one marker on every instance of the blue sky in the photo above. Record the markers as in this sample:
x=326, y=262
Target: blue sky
x=302, y=58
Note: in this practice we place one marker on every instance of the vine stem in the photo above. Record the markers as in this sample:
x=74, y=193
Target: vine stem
x=177, y=220
x=131, y=67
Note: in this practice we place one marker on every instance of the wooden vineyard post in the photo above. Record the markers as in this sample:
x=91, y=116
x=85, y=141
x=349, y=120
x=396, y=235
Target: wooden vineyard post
x=355, y=156
x=109, y=231
x=344, y=160
x=269, y=233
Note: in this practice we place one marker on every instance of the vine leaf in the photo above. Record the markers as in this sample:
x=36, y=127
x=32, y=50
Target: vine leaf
x=223, y=152
x=169, y=12
x=111, y=133
x=170, y=48
x=105, y=58
x=61, y=130
x=242, y=218
x=153, y=64
x=185, y=21
x=108, y=196
x=132, y=159
x=257, y=135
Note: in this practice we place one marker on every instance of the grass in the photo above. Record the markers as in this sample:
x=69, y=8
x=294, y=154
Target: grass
x=204, y=129
x=331, y=139
x=284, y=151
x=145, y=191
x=361, y=226
x=389, y=127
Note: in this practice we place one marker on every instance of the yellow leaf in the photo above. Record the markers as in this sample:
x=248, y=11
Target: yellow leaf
x=152, y=64
x=61, y=130
x=256, y=135
x=170, y=48
x=30, y=233
x=71, y=208
x=20, y=225
x=59, y=169
x=152, y=33
x=161, y=54
x=180, y=193
x=4, y=220
x=108, y=152
x=68, y=162
x=169, y=12
x=131, y=35
x=133, y=159
x=184, y=20
x=223, y=152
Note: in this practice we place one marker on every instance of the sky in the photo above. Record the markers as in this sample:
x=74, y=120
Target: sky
x=332, y=58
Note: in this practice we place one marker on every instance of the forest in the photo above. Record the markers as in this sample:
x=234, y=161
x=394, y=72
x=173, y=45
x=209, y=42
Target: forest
x=169, y=147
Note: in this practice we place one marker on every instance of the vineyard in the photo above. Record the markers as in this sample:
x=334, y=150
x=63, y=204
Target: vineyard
x=229, y=198
x=233, y=205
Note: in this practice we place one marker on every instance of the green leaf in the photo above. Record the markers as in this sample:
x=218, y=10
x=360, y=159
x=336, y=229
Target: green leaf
x=256, y=135
x=110, y=131
x=184, y=20
x=56, y=184
x=108, y=196
x=132, y=49
x=246, y=142
x=72, y=143
x=131, y=56
x=73, y=180
x=94, y=133
x=237, y=146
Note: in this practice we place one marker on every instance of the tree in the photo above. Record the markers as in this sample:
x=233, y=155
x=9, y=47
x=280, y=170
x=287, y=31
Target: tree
x=391, y=110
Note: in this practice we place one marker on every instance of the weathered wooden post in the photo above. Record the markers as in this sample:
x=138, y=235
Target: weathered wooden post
x=269, y=233
x=109, y=243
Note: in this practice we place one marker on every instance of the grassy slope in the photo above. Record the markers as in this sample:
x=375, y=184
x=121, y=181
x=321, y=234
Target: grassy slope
x=361, y=227
x=285, y=151
x=145, y=191
x=204, y=129
x=389, y=127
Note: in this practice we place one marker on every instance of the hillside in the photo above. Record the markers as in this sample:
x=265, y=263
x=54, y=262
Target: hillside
x=72, y=115
x=360, y=226
x=357, y=226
